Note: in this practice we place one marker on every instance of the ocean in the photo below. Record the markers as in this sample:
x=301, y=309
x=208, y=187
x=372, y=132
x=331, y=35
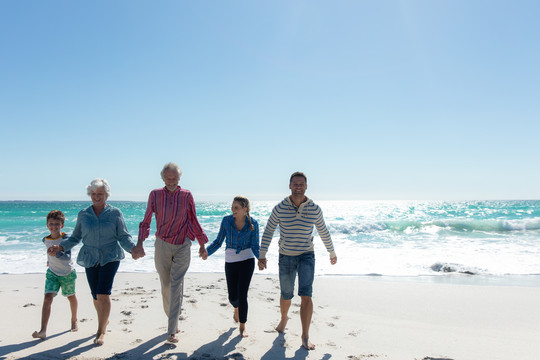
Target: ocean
x=388, y=238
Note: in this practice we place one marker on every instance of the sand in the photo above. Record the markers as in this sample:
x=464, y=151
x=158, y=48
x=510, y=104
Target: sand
x=354, y=318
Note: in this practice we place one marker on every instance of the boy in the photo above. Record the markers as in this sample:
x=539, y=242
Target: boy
x=60, y=274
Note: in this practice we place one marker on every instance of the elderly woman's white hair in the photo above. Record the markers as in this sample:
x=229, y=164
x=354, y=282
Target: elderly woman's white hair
x=99, y=183
x=171, y=166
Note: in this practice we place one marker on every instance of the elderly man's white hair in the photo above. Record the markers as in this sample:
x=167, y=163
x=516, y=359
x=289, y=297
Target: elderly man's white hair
x=171, y=166
x=99, y=183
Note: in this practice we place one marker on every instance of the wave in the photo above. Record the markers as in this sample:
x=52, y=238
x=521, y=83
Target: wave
x=457, y=225
x=456, y=268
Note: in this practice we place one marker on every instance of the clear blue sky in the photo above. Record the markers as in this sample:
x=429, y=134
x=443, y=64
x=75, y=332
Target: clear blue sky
x=372, y=99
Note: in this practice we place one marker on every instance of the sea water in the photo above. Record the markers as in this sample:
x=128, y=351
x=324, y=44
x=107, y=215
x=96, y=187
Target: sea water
x=390, y=238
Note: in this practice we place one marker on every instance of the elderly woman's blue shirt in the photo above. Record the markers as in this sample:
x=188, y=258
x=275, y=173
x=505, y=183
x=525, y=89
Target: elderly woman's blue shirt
x=103, y=237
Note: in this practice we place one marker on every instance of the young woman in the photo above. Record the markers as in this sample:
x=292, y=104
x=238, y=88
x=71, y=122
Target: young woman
x=241, y=232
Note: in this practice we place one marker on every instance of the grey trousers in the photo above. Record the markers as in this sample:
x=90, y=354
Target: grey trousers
x=172, y=262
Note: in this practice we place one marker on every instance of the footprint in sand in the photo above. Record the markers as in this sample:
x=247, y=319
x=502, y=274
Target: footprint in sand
x=329, y=324
x=29, y=304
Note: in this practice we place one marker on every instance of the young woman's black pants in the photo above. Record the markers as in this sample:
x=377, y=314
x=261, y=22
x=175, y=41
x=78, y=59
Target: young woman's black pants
x=238, y=278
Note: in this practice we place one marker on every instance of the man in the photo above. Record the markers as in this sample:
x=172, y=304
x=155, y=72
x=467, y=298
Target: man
x=296, y=216
x=177, y=227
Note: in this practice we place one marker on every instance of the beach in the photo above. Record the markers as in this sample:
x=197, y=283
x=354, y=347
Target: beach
x=355, y=317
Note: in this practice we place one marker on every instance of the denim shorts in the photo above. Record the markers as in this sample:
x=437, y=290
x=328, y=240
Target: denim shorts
x=289, y=266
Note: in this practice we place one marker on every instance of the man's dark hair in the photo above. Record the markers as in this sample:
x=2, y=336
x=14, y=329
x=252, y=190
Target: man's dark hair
x=298, y=173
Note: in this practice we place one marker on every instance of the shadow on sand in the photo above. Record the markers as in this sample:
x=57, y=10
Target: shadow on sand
x=218, y=349
x=223, y=348
x=65, y=351
x=278, y=351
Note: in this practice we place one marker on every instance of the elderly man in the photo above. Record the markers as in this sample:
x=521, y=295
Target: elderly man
x=296, y=216
x=177, y=227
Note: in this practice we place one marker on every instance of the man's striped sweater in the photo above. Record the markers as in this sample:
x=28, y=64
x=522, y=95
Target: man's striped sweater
x=296, y=228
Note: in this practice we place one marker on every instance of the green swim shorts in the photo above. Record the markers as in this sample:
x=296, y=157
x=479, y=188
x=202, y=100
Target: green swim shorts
x=53, y=283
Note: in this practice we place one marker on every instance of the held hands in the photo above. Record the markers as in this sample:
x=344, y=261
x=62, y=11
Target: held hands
x=262, y=262
x=137, y=252
x=203, y=253
x=53, y=250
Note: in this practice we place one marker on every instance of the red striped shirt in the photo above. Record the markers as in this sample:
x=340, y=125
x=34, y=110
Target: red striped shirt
x=176, y=218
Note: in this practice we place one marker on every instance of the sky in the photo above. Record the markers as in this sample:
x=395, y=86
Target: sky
x=422, y=100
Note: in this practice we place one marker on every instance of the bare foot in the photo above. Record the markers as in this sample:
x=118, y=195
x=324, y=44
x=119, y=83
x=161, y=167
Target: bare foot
x=243, y=332
x=236, y=317
x=100, y=339
x=39, y=335
x=281, y=326
x=307, y=344
x=74, y=326
x=172, y=338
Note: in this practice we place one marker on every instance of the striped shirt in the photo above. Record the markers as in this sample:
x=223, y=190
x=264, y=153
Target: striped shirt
x=176, y=219
x=61, y=264
x=296, y=228
x=238, y=240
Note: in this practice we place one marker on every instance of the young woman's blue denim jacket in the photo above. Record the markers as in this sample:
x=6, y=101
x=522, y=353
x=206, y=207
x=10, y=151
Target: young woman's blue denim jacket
x=239, y=240
x=101, y=237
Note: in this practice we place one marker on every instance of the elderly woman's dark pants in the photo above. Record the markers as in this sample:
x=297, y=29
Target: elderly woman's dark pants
x=100, y=278
x=238, y=276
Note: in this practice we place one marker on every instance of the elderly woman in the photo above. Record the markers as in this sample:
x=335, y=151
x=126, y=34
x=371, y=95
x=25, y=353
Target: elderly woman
x=103, y=232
